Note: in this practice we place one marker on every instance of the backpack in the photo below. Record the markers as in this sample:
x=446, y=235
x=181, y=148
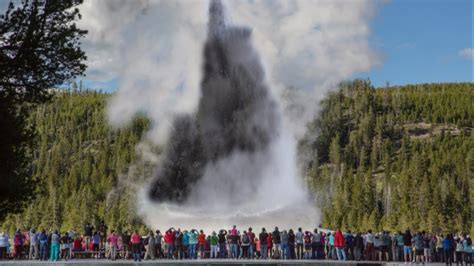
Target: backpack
x=469, y=241
x=245, y=239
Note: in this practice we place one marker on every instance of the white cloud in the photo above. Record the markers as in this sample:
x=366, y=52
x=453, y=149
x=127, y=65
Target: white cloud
x=467, y=53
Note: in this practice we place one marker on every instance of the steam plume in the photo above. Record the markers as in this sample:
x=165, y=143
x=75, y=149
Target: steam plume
x=155, y=47
x=235, y=114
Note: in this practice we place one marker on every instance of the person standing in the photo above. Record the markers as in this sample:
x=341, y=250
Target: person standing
x=257, y=248
x=270, y=245
x=214, y=242
x=291, y=244
x=467, y=243
x=400, y=245
x=96, y=244
x=316, y=245
x=222, y=243
x=284, y=244
x=418, y=241
x=17, y=244
x=327, y=248
x=185, y=244
x=277, y=242
x=349, y=244
x=358, y=247
x=169, y=243
x=407, y=249
x=55, y=246
x=158, y=245
x=150, y=246
x=332, y=254
x=193, y=241
x=234, y=244
x=136, y=239
x=299, y=244
x=202, y=244
x=43, y=241
x=439, y=248
x=103, y=233
x=448, y=244
x=251, y=235
x=3, y=246
x=113, y=244
x=178, y=243
x=384, y=247
x=370, y=245
x=459, y=251
x=245, y=243
x=65, y=246
x=88, y=232
x=339, y=244
x=34, y=245
x=428, y=246
x=394, y=247
x=126, y=245
x=307, y=245
x=25, y=249
x=263, y=243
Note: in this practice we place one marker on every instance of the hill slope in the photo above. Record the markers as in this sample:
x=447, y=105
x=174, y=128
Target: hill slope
x=77, y=161
x=394, y=158
x=377, y=158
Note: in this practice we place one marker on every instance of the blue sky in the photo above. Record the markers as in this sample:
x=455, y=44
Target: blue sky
x=422, y=41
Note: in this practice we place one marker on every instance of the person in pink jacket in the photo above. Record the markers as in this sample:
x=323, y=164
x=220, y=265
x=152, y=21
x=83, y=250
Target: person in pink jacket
x=113, y=244
x=136, y=240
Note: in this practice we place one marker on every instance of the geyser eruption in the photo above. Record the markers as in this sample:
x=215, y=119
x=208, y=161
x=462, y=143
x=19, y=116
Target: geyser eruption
x=235, y=113
x=231, y=162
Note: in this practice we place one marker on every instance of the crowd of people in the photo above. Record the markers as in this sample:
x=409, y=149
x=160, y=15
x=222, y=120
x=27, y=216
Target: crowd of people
x=419, y=247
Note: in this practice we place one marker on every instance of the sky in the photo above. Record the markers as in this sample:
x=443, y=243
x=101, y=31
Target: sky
x=423, y=41
x=418, y=41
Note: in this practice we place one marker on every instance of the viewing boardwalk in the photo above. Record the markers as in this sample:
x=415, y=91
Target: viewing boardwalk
x=214, y=262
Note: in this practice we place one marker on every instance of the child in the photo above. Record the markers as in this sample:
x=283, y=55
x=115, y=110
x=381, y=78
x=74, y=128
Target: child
x=257, y=247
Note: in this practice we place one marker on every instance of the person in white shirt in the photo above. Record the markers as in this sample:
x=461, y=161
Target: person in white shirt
x=3, y=246
x=34, y=244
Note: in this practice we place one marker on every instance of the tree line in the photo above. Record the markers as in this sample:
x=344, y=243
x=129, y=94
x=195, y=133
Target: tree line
x=77, y=163
x=388, y=158
x=393, y=158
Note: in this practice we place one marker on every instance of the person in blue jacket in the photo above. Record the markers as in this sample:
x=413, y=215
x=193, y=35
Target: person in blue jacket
x=448, y=247
x=43, y=241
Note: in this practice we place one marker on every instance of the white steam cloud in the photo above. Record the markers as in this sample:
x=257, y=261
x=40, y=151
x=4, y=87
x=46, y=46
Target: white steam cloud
x=155, y=48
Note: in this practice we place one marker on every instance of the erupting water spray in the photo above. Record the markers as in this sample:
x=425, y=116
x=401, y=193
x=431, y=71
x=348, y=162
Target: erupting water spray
x=231, y=162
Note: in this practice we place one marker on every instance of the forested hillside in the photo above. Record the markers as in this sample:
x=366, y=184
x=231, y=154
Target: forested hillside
x=394, y=158
x=76, y=162
x=389, y=158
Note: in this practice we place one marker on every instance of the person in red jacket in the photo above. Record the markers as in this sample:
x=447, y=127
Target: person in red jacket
x=339, y=244
x=169, y=243
x=202, y=244
x=270, y=245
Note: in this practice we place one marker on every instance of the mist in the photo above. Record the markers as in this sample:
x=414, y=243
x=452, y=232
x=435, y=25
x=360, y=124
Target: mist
x=156, y=49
